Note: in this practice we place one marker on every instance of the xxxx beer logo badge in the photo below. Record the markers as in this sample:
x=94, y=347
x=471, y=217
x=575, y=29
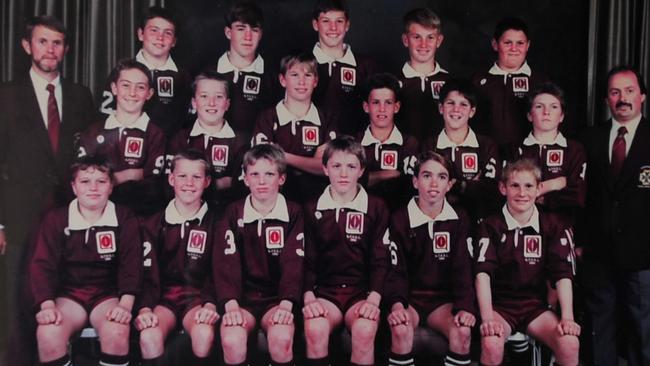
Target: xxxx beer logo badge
x=554, y=158
x=165, y=86
x=389, y=160
x=196, y=241
x=532, y=246
x=441, y=243
x=220, y=155
x=644, y=177
x=133, y=147
x=354, y=223
x=470, y=162
x=348, y=76
x=435, y=88
x=310, y=136
x=274, y=237
x=520, y=84
x=105, y=242
x=252, y=84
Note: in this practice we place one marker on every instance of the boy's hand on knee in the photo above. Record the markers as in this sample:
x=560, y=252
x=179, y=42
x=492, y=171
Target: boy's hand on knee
x=314, y=309
x=207, y=315
x=118, y=314
x=398, y=315
x=491, y=328
x=464, y=319
x=49, y=316
x=233, y=318
x=146, y=319
x=283, y=314
x=568, y=327
x=368, y=310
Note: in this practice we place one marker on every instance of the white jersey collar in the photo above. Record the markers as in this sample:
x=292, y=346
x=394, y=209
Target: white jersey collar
x=530, y=140
x=77, y=222
x=141, y=123
x=323, y=58
x=285, y=116
x=444, y=141
x=359, y=203
x=279, y=212
x=513, y=224
x=170, y=65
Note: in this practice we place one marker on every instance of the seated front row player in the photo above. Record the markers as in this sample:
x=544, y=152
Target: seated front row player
x=86, y=267
x=516, y=252
x=178, y=285
x=258, y=263
x=430, y=280
x=346, y=257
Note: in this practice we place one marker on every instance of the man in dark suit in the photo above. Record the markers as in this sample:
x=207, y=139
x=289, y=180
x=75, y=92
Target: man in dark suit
x=40, y=116
x=614, y=234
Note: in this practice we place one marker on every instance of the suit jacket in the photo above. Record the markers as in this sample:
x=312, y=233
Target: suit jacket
x=615, y=225
x=30, y=173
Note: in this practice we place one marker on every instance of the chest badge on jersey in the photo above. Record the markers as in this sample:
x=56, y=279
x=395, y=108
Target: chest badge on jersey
x=252, y=84
x=470, y=162
x=310, y=136
x=105, y=242
x=133, y=147
x=554, y=158
x=165, y=86
x=532, y=246
x=435, y=88
x=196, y=241
x=520, y=84
x=220, y=155
x=354, y=223
x=348, y=76
x=388, y=160
x=644, y=177
x=274, y=238
x=441, y=243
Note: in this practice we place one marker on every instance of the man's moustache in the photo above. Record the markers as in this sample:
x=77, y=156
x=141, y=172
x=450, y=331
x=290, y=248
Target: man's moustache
x=623, y=104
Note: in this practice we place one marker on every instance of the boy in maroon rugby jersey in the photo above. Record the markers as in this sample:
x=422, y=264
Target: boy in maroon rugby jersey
x=422, y=76
x=213, y=135
x=342, y=72
x=346, y=257
x=430, y=280
x=475, y=157
x=298, y=127
x=252, y=81
x=86, y=267
x=516, y=252
x=563, y=161
x=133, y=145
x=390, y=153
x=258, y=265
x=178, y=285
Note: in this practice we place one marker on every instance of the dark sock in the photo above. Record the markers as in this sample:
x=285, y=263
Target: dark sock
x=455, y=359
x=113, y=360
x=201, y=361
x=325, y=361
x=395, y=359
x=274, y=363
x=63, y=361
x=519, y=352
x=153, y=362
x=356, y=364
x=245, y=363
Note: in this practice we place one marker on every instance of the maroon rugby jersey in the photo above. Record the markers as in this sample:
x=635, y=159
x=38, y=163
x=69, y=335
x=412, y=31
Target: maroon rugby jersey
x=340, y=84
x=477, y=171
x=170, y=104
x=430, y=256
x=71, y=252
x=178, y=252
x=501, y=113
x=419, y=96
x=346, y=244
x=257, y=258
x=251, y=91
x=398, y=152
x=520, y=258
x=563, y=158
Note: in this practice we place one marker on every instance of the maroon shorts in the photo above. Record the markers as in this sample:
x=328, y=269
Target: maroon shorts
x=87, y=296
x=341, y=296
x=518, y=313
x=425, y=303
x=180, y=299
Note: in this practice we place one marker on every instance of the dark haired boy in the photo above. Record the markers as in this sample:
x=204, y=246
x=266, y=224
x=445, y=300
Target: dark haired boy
x=252, y=82
x=169, y=105
x=422, y=76
x=504, y=87
x=341, y=72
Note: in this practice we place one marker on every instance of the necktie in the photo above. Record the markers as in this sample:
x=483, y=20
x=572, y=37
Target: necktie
x=53, y=119
x=618, y=152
